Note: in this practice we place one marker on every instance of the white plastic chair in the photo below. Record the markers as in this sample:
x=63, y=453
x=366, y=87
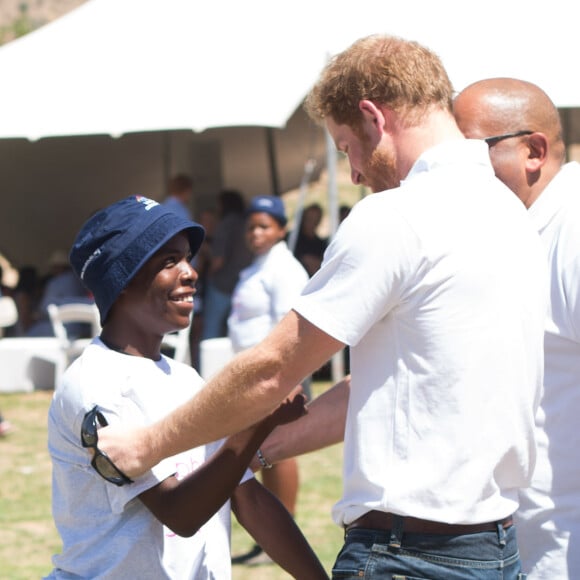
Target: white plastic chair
x=214, y=354
x=179, y=343
x=63, y=314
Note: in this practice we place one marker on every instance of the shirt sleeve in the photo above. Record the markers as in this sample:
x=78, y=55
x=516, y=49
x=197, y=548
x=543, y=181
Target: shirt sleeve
x=285, y=287
x=120, y=496
x=364, y=273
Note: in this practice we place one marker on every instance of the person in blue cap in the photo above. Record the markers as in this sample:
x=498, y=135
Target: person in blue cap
x=264, y=293
x=173, y=521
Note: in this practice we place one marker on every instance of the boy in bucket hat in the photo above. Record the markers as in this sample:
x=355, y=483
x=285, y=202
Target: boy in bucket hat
x=135, y=257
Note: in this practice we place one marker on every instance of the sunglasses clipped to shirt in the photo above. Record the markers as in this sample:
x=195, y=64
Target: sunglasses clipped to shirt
x=101, y=462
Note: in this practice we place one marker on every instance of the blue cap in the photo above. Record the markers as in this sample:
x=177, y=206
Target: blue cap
x=271, y=205
x=114, y=244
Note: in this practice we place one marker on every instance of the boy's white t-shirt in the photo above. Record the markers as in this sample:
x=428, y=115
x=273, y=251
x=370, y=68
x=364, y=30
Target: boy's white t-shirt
x=107, y=532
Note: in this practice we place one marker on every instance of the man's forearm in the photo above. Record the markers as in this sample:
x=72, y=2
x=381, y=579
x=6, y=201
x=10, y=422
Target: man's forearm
x=217, y=411
x=250, y=387
x=205, y=418
x=247, y=389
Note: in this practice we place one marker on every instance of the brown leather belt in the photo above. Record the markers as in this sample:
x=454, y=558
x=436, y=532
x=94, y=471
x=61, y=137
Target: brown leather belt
x=377, y=520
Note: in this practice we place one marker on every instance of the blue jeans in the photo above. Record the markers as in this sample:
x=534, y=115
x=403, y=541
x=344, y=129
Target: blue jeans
x=481, y=556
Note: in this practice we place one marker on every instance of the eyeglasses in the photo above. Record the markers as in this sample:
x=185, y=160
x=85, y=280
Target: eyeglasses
x=491, y=141
x=101, y=462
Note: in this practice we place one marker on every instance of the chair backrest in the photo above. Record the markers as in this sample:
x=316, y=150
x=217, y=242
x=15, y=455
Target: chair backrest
x=8, y=311
x=214, y=354
x=73, y=312
x=179, y=342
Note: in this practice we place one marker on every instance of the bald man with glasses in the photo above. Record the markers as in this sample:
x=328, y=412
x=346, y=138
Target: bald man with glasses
x=522, y=128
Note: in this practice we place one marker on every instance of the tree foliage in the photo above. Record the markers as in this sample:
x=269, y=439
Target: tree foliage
x=21, y=25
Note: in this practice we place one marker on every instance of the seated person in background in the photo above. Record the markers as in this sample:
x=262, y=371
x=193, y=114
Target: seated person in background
x=26, y=295
x=135, y=257
x=62, y=286
x=7, y=307
x=4, y=289
x=9, y=274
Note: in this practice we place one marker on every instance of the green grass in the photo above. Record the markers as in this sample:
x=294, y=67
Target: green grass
x=28, y=537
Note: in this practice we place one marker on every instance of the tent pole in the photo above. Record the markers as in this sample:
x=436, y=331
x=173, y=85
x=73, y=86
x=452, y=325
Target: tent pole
x=332, y=184
x=166, y=161
x=272, y=161
x=337, y=361
x=306, y=176
x=565, y=121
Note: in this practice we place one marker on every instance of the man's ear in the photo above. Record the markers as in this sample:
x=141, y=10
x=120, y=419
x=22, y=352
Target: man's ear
x=373, y=116
x=537, y=152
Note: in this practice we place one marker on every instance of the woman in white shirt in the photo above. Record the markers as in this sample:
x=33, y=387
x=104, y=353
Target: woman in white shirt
x=265, y=292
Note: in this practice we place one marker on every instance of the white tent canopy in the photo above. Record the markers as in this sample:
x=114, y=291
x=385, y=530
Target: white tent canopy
x=204, y=78
x=118, y=66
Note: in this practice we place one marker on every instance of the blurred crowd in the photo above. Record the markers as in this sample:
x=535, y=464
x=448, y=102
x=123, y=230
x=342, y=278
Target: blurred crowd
x=222, y=257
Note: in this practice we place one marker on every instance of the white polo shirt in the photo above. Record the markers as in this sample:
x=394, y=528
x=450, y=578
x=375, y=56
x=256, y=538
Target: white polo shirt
x=264, y=293
x=549, y=515
x=439, y=287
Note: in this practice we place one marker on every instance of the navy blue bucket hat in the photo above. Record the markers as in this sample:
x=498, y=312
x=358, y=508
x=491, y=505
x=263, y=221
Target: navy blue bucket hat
x=114, y=244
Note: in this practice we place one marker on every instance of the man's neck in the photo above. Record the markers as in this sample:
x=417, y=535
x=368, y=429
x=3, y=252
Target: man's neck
x=548, y=172
x=437, y=127
x=143, y=346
